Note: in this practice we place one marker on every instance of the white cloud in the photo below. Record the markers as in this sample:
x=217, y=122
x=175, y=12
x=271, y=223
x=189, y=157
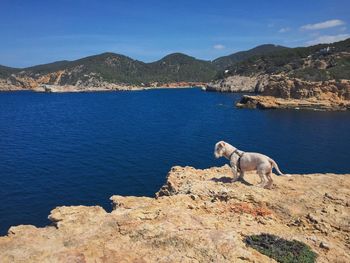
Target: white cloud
x=284, y=30
x=327, y=39
x=218, y=46
x=323, y=25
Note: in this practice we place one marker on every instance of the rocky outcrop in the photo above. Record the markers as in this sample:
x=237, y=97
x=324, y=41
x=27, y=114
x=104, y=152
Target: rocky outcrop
x=283, y=92
x=238, y=83
x=298, y=76
x=10, y=85
x=57, y=82
x=197, y=216
x=292, y=88
x=269, y=102
x=282, y=86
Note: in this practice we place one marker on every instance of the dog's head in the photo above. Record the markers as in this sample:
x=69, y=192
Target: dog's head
x=219, y=149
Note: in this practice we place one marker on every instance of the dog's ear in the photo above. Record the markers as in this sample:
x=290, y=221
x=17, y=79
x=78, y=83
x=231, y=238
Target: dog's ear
x=219, y=145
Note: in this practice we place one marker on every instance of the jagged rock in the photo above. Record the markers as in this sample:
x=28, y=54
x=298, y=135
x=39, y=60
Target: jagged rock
x=197, y=216
x=282, y=91
x=269, y=102
x=238, y=83
x=280, y=86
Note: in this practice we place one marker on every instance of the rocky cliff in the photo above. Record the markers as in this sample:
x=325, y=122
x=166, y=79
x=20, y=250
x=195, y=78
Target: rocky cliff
x=270, y=102
x=317, y=73
x=62, y=81
x=239, y=83
x=197, y=216
x=280, y=91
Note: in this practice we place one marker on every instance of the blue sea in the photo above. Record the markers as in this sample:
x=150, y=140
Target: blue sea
x=81, y=148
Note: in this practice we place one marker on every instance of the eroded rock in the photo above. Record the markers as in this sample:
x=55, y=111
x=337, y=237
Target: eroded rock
x=269, y=102
x=197, y=216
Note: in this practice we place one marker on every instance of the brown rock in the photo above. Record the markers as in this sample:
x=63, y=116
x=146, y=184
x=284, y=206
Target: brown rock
x=198, y=216
x=238, y=83
x=270, y=102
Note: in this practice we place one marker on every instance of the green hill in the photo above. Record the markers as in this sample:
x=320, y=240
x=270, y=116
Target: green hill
x=224, y=62
x=122, y=69
x=6, y=71
x=180, y=67
x=320, y=62
x=315, y=63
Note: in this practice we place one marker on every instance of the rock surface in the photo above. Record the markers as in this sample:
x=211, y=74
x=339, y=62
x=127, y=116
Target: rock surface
x=269, y=102
x=282, y=86
x=298, y=73
x=293, y=88
x=54, y=82
x=237, y=83
x=197, y=216
x=280, y=91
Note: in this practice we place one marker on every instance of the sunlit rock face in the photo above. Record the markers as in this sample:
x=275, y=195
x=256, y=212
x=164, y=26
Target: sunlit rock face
x=197, y=216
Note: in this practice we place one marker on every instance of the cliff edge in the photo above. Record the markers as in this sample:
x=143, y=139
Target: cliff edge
x=197, y=216
x=315, y=78
x=284, y=93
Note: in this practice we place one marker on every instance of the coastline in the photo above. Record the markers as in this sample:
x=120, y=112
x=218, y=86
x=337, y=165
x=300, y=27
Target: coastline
x=283, y=92
x=270, y=102
x=265, y=91
x=197, y=214
x=106, y=88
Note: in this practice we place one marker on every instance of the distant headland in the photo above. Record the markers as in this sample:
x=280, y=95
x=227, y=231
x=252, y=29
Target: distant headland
x=296, y=77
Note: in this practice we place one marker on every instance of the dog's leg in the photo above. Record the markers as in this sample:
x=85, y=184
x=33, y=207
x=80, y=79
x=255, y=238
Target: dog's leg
x=241, y=176
x=262, y=179
x=242, y=180
x=235, y=174
x=269, y=181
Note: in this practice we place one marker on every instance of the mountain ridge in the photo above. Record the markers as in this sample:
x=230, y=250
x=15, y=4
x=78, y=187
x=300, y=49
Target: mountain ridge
x=109, y=53
x=226, y=61
x=111, y=70
x=314, y=78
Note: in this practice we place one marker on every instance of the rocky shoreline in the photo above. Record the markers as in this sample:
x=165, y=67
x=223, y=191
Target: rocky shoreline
x=238, y=83
x=283, y=92
x=35, y=86
x=197, y=216
x=269, y=102
x=55, y=82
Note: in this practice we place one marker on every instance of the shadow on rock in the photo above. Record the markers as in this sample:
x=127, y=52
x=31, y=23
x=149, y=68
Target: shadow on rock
x=227, y=180
x=223, y=179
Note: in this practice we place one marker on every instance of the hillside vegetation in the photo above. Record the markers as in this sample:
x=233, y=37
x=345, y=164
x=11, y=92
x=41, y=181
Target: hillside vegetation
x=116, y=68
x=224, y=62
x=315, y=63
x=6, y=71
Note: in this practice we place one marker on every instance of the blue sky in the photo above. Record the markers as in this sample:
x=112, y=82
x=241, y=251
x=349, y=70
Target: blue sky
x=35, y=31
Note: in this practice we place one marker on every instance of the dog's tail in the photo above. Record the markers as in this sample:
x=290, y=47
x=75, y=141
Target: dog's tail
x=274, y=165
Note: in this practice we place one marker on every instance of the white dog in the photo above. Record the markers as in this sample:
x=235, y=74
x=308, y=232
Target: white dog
x=246, y=161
